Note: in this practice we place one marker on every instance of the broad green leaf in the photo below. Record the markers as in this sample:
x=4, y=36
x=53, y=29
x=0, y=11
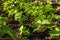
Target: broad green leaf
x=38, y=22
x=45, y=22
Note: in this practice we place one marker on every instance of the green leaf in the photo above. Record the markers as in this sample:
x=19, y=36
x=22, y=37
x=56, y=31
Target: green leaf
x=49, y=17
x=7, y=30
x=54, y=33
x=48, y=8
x=21, y=30
x=57, y=29
x=18, y=15
x=2, y=32
x=38, y=22
x=24, y=31
x=57, y=16
x=22, y=19
x=45, y=22
x=3, y=19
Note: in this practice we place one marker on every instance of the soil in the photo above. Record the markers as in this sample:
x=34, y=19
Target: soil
x=14, y=25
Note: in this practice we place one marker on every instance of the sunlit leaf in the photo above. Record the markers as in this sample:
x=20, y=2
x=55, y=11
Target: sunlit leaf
x=45, y=22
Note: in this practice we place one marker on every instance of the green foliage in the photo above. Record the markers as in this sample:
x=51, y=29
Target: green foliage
x=5, y=29
x=3, y=20
x=41, y=15
x=23, y=30
x=9, y=31
x=48, y=8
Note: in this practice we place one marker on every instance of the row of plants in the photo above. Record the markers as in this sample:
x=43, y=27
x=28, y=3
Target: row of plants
x=33, y=16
